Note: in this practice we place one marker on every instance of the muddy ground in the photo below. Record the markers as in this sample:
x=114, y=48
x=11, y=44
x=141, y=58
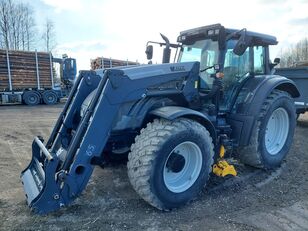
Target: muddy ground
x=255, y=200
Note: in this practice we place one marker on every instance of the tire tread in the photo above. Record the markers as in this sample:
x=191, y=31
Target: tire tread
x=143, y=154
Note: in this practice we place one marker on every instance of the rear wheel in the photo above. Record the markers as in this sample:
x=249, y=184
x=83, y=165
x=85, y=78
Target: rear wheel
x=170, y=162
x=31, y=98
x=50, y=97
x=273, y=132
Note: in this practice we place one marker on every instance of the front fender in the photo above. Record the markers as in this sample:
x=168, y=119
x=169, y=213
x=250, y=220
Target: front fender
x=174, y=112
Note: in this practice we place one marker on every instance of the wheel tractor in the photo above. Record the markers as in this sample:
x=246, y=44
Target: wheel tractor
x=173, y=121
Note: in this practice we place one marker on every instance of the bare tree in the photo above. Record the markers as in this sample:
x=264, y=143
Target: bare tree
x=49, y=35
x=28, y=29
x=295, y=54
x=14, y=18
x=5, y=23
x=17, y=26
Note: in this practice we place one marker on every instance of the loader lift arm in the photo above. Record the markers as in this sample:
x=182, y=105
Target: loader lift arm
x=48, y=185
x=59, y=172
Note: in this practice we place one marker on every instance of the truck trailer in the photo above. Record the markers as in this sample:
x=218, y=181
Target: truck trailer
x=29, y=77
x=299, y=75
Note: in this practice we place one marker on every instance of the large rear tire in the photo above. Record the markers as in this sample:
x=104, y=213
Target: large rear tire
x=273, y=133
x=170, y=162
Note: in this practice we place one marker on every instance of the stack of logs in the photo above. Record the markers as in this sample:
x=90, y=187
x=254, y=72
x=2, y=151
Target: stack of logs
x=24, y=69
x=101, y=62
x=301, y=64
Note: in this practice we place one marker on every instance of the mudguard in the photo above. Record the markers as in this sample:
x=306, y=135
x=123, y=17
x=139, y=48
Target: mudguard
x=248, y=104
x=174, y=112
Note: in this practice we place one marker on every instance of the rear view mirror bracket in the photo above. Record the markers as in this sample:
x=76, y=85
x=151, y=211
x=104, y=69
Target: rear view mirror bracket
x=242, y=44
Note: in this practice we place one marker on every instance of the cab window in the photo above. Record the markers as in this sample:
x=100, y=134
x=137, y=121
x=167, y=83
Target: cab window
x=258, y=53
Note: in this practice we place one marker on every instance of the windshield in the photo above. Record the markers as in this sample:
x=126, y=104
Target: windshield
x=206, y=52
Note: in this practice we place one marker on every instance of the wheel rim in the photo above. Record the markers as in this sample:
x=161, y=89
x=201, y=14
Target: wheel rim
x=51, y=98
x=33, y=99
x=182, y=167
x=277, y=131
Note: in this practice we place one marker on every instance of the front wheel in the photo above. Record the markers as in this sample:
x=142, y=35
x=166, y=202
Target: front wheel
x=170, y=162
x=273, y=132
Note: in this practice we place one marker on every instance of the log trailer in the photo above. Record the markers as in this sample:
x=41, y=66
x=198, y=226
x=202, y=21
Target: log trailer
x=29, y=77
x=174, y=121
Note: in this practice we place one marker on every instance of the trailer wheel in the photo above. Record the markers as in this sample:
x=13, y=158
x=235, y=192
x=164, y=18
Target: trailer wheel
x=170, y=162
x=273, y=132
x=50, y=97
x=31, y=98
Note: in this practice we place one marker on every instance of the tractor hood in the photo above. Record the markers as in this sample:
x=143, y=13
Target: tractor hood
x=153, y=76
x=147, y=71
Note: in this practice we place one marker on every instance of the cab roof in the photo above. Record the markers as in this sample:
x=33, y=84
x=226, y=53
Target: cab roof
x=258, y=39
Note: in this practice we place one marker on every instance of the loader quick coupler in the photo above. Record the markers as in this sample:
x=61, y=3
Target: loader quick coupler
x=222, y=168
x=39, y=177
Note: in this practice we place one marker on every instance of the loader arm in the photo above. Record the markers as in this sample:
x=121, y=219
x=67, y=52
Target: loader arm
x=59, y=171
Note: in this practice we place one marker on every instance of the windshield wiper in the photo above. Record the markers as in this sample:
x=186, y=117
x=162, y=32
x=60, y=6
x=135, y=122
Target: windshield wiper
x=207, y=68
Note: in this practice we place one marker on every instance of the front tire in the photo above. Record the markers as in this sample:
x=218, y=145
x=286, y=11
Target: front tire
x=273, y=133
x=170, y=162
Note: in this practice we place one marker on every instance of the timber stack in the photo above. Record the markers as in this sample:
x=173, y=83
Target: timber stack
x=25, y=69
x=103, y=63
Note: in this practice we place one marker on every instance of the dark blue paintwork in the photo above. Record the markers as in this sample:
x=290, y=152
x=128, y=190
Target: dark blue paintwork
x=84, y=139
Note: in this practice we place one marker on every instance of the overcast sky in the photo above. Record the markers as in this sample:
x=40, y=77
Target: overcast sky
x=86, y=29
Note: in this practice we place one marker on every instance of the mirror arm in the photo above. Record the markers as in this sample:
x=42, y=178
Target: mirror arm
x=230, y=36
x=173, y=45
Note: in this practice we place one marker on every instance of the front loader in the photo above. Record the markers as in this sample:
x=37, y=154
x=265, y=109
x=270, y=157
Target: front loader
x=174, y=121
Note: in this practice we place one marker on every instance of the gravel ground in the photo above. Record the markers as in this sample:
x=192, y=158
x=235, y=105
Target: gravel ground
x=255, y=200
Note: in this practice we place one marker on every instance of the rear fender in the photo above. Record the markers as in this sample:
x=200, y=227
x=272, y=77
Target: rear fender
x=247, y=107
x=264, y=88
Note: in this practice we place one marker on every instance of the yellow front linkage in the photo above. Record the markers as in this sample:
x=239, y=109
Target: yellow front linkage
x=222, y=168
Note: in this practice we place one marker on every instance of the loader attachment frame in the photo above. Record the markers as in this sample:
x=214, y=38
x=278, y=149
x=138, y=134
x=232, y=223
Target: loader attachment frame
x=50, y=181
x=60, y=170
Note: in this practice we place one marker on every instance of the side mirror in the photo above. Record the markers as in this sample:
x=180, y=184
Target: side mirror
x=242, y=44
x=149, y=52
x=276, y=61
x=167, y=50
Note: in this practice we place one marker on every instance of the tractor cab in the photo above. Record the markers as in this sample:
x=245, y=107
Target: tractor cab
x=239, y=55
x=232, y=55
